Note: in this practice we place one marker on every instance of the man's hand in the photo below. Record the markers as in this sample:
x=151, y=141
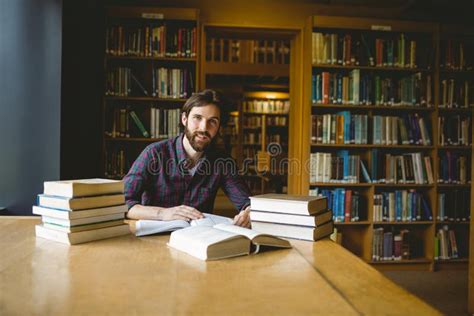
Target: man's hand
x=243, y=218
x=182, y=212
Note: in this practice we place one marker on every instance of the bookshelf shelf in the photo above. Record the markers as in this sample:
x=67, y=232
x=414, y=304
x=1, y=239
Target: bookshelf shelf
x=333, y=184
x=457, y=71
x=455, y=110
x=443, y=185
x=372, y=107
x=455, y=147
x=252, y=127
x=244, y=69
x=452, y=223
x=112, y=98
x=365, y=146
x=404, y=223
x=402, y=185
x=142, y=58
x=360, y=223
x=451, y=261
x=403, y=261
x=372, y=68
x=263, y=113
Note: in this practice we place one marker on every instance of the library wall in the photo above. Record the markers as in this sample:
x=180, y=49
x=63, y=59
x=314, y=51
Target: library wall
x=30, y=64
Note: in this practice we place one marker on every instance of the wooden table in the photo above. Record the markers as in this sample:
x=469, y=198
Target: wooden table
x=130, y=275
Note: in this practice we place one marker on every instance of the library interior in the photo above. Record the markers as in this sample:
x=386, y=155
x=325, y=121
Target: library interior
x=348, y=124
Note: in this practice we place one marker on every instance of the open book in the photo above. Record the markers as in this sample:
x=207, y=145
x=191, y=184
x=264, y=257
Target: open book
x=149, y=227
x=221, y=241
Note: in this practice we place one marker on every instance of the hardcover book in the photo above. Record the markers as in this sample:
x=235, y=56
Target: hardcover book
x=289, y=204
x=83, y=187
x=222, y=241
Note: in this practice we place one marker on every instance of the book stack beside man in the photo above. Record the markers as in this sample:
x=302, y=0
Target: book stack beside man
x=291, y=216
x=78, y=211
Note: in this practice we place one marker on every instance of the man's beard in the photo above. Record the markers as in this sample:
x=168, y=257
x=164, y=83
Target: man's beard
x=196, y=144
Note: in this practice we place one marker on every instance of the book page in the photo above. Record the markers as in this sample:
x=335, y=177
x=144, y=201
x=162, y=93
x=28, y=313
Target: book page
x=149, y=227
x=257, y=238
x=204, y=235
x=211, y=220
x=250, y=234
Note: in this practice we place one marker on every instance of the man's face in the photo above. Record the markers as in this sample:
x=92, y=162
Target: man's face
x=201, y=126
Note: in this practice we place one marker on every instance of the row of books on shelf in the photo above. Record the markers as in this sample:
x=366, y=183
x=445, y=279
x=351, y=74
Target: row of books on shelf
x=454, y=206
x=340, y=128
x=121, y=127
x=368, y=89
x=454, y=130
x=166, y=83
x=277, y=121
x=252, y=138
x=395, y=245
x=393, y=50
x=164, y=123
x=341, y=167
x=401, y=206
x=454, y=93
x=116, y=163
x=347, y=205
x=247, y=51
x=338, y=168
x=256, y=121
x=256, y=139
x=456, y=55
x=454, y=168
x=392, y=245
x=446, y=244
x=346, y=128
x=396, y=206
x=77, y=211
x=409, y=168
x=153, y=40
x=266, y=106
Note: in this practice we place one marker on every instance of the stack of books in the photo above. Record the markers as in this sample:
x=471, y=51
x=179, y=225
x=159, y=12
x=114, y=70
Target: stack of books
x=291, y=216
x=78, y=211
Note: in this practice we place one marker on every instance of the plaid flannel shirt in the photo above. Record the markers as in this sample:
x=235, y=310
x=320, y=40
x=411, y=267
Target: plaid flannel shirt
x=160, y=177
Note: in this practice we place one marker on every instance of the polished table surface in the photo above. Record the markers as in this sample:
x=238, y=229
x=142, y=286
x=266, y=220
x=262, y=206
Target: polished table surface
x=130, y=275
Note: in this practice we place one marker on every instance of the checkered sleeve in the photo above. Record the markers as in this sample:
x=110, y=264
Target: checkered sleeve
x=234, y=186
x=138, y=177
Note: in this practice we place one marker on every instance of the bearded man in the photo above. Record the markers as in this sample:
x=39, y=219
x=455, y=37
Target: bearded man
x=178, y=178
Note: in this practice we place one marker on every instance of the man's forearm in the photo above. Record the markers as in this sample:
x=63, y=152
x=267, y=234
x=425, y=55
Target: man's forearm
x=144, y=212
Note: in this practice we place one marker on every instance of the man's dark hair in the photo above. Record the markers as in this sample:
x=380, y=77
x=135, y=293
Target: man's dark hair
x=204, y=98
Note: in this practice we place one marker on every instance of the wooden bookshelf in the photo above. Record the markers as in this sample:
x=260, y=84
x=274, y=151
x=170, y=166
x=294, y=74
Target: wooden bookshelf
x=146, y=48
x=456, y=64
x=269, y=129
x=428, y=37
x=250, y=64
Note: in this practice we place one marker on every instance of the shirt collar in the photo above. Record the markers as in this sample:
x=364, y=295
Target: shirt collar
x=180, y=152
